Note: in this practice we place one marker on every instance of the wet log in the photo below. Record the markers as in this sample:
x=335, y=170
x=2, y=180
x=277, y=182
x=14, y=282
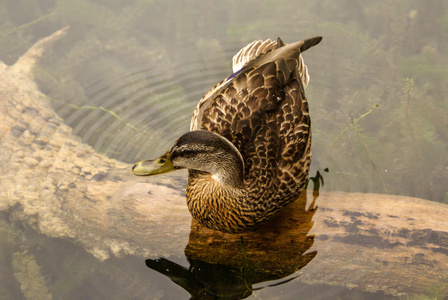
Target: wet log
x=53, y=182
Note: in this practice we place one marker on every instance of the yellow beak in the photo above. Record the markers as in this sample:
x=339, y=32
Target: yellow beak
x=160, y=165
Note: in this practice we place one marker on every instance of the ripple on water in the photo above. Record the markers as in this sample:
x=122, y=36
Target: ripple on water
x=139, y=115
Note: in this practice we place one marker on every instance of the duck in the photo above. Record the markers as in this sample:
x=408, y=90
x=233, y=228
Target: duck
x=248, y=151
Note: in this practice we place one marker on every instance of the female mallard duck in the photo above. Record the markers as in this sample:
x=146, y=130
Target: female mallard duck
x=249, y=149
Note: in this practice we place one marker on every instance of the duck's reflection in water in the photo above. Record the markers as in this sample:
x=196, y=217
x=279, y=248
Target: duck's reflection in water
x=228, y=265
x=204, y=280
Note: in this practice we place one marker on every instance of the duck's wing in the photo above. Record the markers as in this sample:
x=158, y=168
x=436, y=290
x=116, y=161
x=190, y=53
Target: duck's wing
x=263, y=111
x=247, y=55
x=258, y=48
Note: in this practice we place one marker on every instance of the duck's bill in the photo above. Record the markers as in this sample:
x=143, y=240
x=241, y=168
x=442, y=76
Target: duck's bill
x=163, y=164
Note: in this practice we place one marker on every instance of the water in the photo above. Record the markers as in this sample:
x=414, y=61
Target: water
x=127, y=77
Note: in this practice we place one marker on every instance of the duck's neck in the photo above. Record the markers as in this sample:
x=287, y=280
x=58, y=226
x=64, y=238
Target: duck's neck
x=229, y=173
x=225, y=165
x=216, y=190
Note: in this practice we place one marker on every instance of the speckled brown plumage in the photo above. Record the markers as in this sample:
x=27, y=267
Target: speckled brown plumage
x=262, y=110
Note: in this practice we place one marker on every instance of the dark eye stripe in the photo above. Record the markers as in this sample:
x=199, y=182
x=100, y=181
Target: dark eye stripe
x=188, y=153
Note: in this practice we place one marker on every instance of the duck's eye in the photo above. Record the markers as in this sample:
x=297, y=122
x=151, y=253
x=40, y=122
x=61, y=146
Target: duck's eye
x=187, y=152
x=162, y=160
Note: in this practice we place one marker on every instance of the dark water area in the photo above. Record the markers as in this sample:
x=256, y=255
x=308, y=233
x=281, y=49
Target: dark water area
x=128, y=75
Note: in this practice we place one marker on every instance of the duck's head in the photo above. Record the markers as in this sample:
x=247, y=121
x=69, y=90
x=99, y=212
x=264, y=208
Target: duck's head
x=202, y=151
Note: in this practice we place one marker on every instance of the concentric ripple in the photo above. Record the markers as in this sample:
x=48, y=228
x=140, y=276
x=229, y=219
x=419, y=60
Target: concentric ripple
x=140, y=113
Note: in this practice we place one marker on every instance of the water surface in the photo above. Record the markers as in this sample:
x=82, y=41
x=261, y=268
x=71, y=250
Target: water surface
x=128, y=75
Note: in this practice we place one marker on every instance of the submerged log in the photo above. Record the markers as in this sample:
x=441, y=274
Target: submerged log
x=63, y=188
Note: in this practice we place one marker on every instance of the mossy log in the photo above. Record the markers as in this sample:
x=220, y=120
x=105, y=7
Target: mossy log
x=63, y=188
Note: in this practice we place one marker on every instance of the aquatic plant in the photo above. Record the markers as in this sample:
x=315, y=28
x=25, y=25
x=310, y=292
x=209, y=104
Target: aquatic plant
x=28, y=273
x=437, y=291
